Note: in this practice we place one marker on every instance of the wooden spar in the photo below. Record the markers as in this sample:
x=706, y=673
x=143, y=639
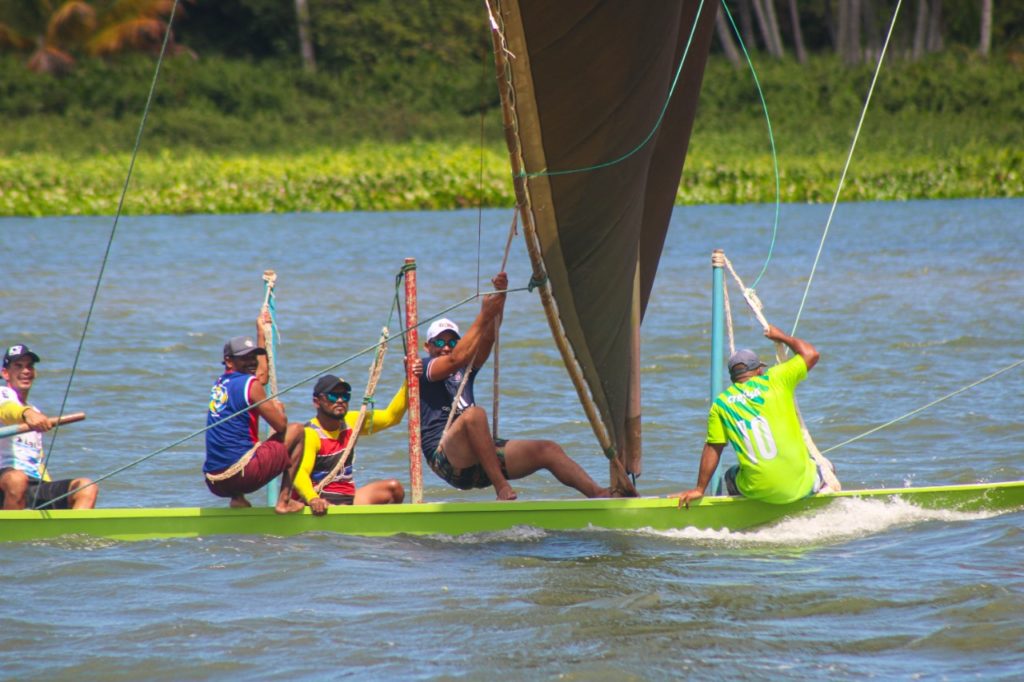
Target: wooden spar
x=717, y=353
x=15, y=429
x=632, y=451
x=270, y=280
x=413, y=382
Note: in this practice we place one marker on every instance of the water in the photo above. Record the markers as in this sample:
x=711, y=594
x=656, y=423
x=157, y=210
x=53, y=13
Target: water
x=911, y=301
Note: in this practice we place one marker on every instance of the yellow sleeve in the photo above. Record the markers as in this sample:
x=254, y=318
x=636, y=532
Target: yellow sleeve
x=303, y=477
x=12, y=412
x=382, y=419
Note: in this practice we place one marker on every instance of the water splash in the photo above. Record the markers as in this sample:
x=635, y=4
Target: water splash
x=842, y=521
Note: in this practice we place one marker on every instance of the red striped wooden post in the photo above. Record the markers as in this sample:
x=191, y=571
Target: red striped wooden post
x=413, y=382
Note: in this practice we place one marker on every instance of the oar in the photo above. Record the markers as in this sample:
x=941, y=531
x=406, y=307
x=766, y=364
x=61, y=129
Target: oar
x=15, y=429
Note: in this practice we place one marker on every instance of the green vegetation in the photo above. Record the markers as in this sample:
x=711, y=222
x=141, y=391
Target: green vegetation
x=240, y=136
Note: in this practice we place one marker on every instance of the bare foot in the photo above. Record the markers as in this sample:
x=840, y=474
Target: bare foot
x=603, y=492
x=288, y=506
x=506, y=493
x=239, y=502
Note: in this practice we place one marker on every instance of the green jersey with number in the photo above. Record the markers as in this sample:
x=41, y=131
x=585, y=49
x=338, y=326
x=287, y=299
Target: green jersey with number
x=758, y=419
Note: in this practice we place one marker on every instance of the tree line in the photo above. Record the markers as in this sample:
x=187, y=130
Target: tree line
x=396, y=36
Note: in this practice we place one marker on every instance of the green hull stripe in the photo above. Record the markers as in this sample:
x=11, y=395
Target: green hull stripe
x=455, y=518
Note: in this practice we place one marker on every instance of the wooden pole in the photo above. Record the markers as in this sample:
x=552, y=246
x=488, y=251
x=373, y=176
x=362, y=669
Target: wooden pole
x=632, y=452
x=15, y=429
x=413, y=382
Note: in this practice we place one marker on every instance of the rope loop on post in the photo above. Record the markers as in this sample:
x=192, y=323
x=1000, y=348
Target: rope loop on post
x=537, y=282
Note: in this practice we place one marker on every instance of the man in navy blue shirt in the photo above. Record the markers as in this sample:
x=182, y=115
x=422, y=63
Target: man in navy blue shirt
x=467, y=455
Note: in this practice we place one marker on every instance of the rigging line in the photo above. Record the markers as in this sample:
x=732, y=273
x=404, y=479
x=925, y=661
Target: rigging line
x=771, y=141
x=925, y=407
x=849, y=158
x=273, y=396
x=110, y=241
x=480, y=178
x=657, y=122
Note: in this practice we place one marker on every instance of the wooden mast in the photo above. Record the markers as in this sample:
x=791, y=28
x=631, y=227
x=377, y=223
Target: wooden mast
x=413, y=382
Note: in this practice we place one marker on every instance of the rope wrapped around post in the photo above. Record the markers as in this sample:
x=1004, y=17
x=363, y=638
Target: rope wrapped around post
x=268, y=324
x=270, y=277
x=513, y=230
x=755, y=305
x=371, y=386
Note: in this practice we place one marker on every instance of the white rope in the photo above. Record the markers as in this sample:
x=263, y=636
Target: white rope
x=755, y=305
x=993, y=375
x=846, y=166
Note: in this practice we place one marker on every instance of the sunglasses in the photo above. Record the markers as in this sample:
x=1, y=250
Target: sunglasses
x=336, y=397
x=441, y=343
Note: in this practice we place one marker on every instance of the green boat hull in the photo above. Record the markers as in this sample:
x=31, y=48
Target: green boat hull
x=456, y=518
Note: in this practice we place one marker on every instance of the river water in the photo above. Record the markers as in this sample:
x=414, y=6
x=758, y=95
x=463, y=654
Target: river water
x=910, y=302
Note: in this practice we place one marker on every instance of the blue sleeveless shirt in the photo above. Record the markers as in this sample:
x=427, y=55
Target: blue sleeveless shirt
x=227, y=442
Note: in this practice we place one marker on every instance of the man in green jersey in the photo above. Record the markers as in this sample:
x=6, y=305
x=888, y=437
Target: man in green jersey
x=757, y=416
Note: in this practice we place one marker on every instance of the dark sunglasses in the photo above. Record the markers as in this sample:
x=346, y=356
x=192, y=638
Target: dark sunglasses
x=335, y=397
x=441, y=343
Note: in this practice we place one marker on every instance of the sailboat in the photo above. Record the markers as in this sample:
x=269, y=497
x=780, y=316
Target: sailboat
x=596, y=161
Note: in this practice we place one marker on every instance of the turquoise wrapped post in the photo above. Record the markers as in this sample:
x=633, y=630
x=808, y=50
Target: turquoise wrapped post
x=717, y=347
x=274, y=487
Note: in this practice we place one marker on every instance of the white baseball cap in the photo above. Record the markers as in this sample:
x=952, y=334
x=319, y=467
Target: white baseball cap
x=443, y=325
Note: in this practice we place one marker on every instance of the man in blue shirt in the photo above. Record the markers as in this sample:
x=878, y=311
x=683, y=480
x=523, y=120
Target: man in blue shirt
x=467, y=455
x=237, y=463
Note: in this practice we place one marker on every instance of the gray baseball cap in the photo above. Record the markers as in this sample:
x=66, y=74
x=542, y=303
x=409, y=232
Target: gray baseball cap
x=744, y=360
x=242, y=345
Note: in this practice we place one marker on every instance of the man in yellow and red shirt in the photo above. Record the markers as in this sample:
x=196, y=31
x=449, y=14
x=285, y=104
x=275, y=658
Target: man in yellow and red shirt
x=328, y=434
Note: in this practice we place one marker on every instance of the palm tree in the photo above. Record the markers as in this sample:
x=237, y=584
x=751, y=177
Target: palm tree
x=53, y=33
x=132, y=26
x=48, y=31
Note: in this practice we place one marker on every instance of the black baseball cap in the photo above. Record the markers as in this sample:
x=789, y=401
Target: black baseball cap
x=327, y=383
x=16, y=351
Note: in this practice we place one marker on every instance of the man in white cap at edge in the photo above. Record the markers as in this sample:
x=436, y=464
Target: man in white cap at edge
x=468, y=456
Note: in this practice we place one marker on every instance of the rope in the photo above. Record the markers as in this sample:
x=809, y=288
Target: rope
x=755, y=305
x=371, y=386
x=283, y=391
x=242, y=462
x=993, y=375
x=470, y=369
x=270, y=328
x=657, y=122
x=110, y=242
x=513, y=230
x=846, y=166
x=771, y=141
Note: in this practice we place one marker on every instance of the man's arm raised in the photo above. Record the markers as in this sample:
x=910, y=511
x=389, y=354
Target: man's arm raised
x=802, y=348
x=479, y=338
x=272, y=411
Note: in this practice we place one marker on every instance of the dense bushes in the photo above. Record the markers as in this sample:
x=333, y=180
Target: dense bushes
x=235, y=136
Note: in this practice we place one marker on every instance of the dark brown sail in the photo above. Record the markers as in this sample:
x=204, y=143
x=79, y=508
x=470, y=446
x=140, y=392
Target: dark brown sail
x=597, y=158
